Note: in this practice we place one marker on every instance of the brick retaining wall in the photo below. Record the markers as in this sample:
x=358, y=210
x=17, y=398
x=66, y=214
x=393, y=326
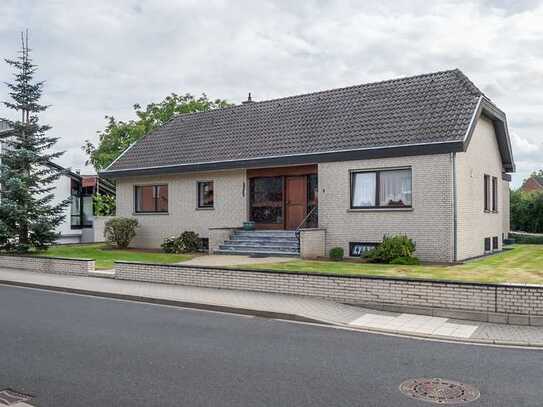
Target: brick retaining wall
x=484, y=302
x=56, y=265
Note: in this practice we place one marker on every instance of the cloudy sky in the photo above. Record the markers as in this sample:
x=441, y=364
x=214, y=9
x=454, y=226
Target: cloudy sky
x=101, y=57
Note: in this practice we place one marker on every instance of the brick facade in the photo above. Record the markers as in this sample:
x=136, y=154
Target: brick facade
x=429, y=222
x=230, y=206
x=53, y=265
x=474, y=224
x=499, y=303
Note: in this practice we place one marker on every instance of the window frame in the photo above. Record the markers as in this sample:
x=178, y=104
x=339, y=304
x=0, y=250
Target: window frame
x=487, y=192
x=155, y=192
x=488, y=245
x=494, y=200
x=199, y=204
x=377, y=172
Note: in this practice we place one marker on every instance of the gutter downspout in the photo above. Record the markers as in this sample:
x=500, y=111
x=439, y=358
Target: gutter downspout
x=455, y=210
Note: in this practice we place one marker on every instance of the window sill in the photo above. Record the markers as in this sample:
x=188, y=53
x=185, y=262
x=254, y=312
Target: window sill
x=149, y=213
x=211, y=208
x=380, y=209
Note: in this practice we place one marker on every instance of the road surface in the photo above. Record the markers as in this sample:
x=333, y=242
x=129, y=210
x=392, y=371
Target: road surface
x=69, y=350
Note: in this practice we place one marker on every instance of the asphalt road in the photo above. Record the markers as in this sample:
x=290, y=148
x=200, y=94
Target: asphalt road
x=70, y=350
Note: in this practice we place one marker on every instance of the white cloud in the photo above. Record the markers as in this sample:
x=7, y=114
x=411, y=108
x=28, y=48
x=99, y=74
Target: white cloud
x=101, y=57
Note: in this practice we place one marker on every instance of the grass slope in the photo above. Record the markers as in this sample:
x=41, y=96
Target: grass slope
x=106, y=256
x=522, y=264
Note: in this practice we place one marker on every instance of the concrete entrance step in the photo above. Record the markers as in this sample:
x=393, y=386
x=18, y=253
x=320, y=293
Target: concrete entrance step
x=260, y=248
x=257, y=253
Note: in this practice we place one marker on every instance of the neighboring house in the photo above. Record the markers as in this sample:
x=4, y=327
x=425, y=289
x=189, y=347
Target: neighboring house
x=532, y=184
x=78, y=222
x=427, y=156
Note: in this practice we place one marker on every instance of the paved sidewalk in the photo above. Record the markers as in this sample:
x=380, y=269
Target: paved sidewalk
x=283, y=306
x=233, y=260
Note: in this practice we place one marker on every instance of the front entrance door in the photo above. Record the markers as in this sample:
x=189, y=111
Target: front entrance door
x=296, y=201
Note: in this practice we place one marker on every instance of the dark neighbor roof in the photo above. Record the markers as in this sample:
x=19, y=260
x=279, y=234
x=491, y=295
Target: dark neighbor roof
x=431, y=113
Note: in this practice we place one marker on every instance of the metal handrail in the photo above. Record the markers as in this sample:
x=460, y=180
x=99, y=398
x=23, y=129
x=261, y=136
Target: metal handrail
x=306, y=217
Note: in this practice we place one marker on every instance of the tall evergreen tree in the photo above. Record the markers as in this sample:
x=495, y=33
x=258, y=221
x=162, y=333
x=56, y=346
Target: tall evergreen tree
x=28, y=217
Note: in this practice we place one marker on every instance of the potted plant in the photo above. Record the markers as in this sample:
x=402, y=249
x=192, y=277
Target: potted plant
x=250, y=225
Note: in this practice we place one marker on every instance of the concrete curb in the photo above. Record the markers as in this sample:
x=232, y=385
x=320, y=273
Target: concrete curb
x=174, y=303
x=271, y=315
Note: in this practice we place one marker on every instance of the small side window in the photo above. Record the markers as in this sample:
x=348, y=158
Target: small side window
x=205, y=194
x=486, y=187
x=494, y=194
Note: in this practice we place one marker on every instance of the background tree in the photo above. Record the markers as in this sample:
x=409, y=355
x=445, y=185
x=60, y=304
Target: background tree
x=527, y=209
x=119, y=135
x=27, y=217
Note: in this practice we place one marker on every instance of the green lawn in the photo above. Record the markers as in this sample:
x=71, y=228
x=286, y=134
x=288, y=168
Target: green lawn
x=521, y=264
x=106, y=256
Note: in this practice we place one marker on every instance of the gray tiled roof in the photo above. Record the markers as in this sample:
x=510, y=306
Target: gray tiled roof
x=430, y=108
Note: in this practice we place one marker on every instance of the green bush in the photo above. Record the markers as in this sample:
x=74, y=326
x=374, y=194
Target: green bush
x=104, y=205
x=526, y=238
x=406, y=261
x=336, y=253
x=187, y=242
x=391, y=248
x=120, y=231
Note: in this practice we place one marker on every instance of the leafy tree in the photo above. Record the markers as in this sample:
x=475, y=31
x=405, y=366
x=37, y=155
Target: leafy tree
x=27, y=216
x=104, y=205
x=119, y=135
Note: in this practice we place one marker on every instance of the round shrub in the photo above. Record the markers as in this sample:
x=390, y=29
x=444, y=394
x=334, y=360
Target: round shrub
x=391, y=248
x=406, y=261
x=120, y=231
x=187, y=242
x=336, y=253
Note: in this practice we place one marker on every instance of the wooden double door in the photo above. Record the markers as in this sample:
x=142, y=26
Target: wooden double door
x=279, y=197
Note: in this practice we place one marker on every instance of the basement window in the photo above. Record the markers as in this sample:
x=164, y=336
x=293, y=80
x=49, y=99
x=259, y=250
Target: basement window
x=488, y=247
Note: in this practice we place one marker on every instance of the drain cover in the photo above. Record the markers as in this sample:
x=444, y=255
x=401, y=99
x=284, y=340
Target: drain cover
x=9, y=397
x=440, y=391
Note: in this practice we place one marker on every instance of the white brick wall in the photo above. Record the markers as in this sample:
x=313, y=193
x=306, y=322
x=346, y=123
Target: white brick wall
x=482, y=157
x=483, y=299
x=429, y=223
x=230, y=196
x=53, y=265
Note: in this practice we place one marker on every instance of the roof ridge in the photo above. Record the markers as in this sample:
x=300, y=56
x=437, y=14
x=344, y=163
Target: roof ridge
x=259, y=102
x=468, y=84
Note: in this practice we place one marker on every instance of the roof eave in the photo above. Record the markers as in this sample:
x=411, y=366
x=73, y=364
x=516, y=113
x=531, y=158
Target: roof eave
x=488, y=109
x=299, y=159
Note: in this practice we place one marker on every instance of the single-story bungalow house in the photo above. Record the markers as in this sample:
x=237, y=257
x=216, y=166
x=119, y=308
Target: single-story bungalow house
x=427, y=156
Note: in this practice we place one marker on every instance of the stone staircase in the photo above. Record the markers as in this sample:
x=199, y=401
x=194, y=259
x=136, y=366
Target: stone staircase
x=262, y=243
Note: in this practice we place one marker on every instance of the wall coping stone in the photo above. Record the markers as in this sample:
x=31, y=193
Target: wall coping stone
x=30, y=256
x=331, y=275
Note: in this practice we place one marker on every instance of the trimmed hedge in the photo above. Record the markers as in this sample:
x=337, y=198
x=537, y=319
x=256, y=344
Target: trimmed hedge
x=526, y=238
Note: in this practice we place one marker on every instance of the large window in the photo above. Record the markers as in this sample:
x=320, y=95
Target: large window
x=80, y=207
x=205, y=194
x=151, y=198
x=381, y=189
x=267, y=200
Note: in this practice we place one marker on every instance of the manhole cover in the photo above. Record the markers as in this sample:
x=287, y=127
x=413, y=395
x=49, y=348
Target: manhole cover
x=9, y=397
x=439, y=391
